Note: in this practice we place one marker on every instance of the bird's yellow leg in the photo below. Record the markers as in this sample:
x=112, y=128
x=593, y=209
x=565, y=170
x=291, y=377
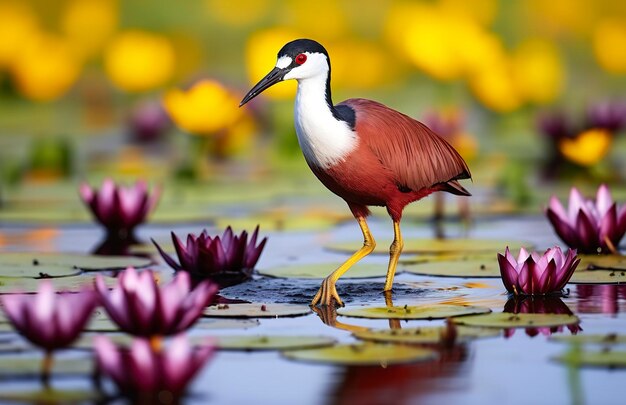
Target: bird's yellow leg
x=328, y=292
x=394, y=254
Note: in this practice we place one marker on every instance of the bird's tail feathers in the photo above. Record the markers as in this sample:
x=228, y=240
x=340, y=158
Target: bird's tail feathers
x=454, y=187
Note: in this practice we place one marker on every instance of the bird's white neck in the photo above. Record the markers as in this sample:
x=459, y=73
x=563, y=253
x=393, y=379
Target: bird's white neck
x=324, y=140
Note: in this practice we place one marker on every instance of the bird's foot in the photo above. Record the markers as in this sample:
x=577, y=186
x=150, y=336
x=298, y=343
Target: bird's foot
x=327, y=313
x=327, y=294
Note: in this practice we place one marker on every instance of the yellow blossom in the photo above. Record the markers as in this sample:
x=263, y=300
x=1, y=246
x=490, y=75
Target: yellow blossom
x=481, y=11
x=496, y=89
x=588, y=148
x=261, y=50
x=238, y=12
x=45, y=68
x=88, y=24
x=18, y=24
x=360, y=64
x=538, y=71
x=609, y=42
x=138, y=61
x=323, y=20
x=207, y=107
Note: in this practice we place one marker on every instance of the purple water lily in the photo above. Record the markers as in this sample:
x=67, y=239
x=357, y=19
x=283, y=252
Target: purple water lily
x=120, y=209
x=47, y=319
x=140, y=307
x=532, y=274
x=227, y=260
x=587, y=225
x=144, y=372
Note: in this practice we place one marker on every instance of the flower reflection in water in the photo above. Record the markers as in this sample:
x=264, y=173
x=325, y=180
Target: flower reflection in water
x=601, y=299
x=539, y=305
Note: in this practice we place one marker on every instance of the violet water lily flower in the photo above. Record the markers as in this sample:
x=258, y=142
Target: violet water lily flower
x=227, y=260
x=120, y=209
x=144, y=371
x=587, y=225
x=532, y=274
x=47, y=319
x=140, y=307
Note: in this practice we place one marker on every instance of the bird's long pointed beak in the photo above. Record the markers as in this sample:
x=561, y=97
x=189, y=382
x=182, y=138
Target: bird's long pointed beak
x=273, y=77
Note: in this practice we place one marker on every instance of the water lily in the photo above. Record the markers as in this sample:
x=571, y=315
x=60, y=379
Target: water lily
x=49, y=320
x=140, y=307
x=147, y=372
x=227, y=260
x=591, y=226
x=120, y=209
x=532, y=274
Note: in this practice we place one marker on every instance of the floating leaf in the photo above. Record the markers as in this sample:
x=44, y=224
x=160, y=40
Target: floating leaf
x=604, y=358
x=482, y=267
x=256, y=310
x=19, y=366
x=412, y=312
x=268, y=342
x=423, y=335
x=608, y=339
x=602, y=262
x=364, y=354
x=599, y=277
x=30, y=285
x=435, y=245
x=78, y=261
x=509, y=320
x=51, y=396
x=321, y=270
x=10, y=270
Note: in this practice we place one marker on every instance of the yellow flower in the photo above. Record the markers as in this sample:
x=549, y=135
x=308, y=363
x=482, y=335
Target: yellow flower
x=207, y=107
x=45, y=68
x=538, y=71
x=588, y=148
x=238, y=12
x=138, y=61
x=261, y=50
x=481, y=11
x=496, y=89
x=609, y=40
x=360, y=64
x=88, y=24
x=18, y=24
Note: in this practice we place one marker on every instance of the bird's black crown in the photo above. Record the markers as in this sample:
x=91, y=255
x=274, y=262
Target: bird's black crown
x=299, y=46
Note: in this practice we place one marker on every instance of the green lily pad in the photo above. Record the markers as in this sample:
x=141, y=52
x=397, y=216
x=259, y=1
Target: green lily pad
x=321, y=270
x=51, y=396
x=364, y=354
x=608, y=339
x=471, y=268
x=19, y=366
x=10, y=285
x=10, y=270
x=599, y=277
x=604, y=358
x=423, y=335
x=267, y=342
x=77, y=261
x=412, y=312
x=508, y=320
x=285, y=221
x=412, y=245
x=602, y=262
x=256, y=310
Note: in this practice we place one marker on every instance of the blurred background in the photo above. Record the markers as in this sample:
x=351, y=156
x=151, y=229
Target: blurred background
x=531, y=92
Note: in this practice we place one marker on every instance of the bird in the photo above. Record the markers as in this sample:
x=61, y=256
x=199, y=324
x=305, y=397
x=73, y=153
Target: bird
x=363, y=151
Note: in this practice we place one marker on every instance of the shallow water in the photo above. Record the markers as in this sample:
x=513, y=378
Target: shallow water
x=509, y=370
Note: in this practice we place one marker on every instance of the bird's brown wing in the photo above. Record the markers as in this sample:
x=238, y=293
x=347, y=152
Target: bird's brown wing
x=416, y=155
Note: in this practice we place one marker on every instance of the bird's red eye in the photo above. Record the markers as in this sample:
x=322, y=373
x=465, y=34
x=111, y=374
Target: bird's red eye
x=300, y=59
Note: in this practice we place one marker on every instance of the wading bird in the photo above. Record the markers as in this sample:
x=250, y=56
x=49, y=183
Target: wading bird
x=363, y=151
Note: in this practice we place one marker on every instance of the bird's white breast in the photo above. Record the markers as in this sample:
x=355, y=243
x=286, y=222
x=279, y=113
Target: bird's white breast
x=324, y=140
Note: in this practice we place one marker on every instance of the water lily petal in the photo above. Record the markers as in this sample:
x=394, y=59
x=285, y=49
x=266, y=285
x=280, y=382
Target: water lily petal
x=110, y=360
x=508, y=272
x=604, y=200
x=563, y=229
x=588, y=234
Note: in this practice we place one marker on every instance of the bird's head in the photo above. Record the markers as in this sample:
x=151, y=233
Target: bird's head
x=299, y=59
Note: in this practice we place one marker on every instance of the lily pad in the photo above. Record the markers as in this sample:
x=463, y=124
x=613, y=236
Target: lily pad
x=364, y=354
x=76, y=261
x=604, y=358
x=608, y=339
x=509, y=320
x=10, y=270
x=424, y=335
x=471, y=268
x=30, y=285
x=19, y=366
x=51, y=396
x=321, y=270
x=268, y=342
x=412, y=245
x=412, y=312
x=599, y=277
x=256, y=310
x=602, y=262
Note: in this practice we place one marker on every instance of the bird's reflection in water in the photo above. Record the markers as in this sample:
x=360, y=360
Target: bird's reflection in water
x=601, y=299
x=539, y=305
